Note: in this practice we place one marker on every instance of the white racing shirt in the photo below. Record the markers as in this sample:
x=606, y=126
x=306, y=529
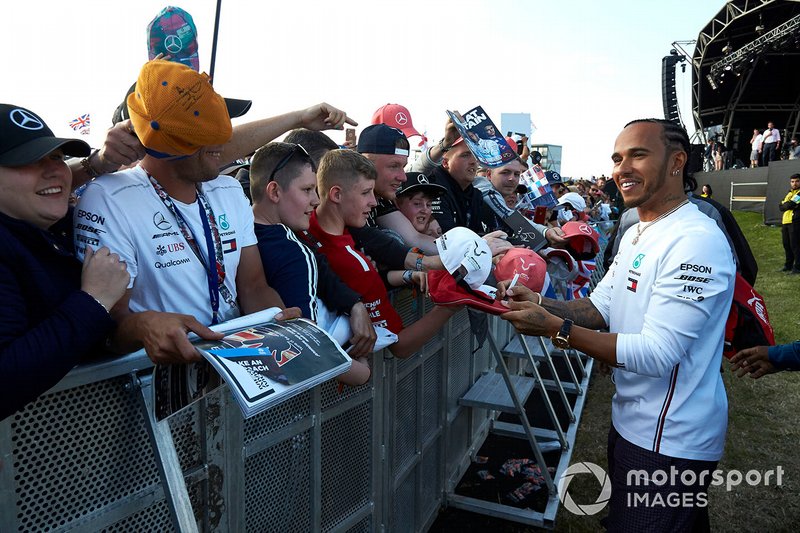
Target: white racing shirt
x=123, y=212
x=668, y=298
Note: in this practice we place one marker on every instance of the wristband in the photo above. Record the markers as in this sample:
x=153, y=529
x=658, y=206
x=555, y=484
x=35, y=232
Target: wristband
x=87, y=164
x=442, y=147
x=407, y=277
x=420, y=257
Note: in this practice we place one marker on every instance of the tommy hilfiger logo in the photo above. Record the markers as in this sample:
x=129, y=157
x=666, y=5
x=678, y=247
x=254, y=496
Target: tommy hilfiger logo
x=632, y=284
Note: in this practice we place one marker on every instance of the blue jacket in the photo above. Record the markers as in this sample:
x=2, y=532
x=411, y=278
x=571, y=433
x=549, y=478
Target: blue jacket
x=785, y=356
x=47, y=324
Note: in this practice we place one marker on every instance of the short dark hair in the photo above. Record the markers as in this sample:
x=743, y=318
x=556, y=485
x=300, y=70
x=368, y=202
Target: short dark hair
x=316, y=143
x=342, y=168
x=675, y=139
x=264, y=162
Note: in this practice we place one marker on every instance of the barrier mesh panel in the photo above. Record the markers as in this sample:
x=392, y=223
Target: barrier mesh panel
x=278, y=487
x=429, y=479
x=460, y=362
x=406, y=425
x=78, y=450
x=458, y=441
x=346, y=463
x=430, y=395
x=154, y=518
x=364, y=526
x=405, y=504
x=186, y=436
x=331, y=395
x=277, y=417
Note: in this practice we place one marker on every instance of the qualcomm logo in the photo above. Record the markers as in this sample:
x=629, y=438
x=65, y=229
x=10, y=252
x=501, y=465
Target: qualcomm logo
x=584, y=468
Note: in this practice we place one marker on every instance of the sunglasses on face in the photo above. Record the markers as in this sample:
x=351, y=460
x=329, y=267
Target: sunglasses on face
x=296, y=149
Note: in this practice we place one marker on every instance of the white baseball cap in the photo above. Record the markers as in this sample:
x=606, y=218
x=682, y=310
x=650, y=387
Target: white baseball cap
x=574, y=199
x=466, y=256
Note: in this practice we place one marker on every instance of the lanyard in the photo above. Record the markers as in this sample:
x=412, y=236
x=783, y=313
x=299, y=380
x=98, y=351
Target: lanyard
x=215, y=273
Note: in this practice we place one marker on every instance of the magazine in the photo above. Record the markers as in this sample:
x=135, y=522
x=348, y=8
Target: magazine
x=483, y=138
x=538, y=190
x=264, y=363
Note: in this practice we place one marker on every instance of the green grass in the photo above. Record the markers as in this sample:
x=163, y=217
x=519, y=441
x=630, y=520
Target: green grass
x=763, y=429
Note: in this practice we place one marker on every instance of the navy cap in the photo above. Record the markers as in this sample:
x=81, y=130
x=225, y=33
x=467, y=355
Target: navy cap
x=552, y=177
x=25, y=138
x=382, y=139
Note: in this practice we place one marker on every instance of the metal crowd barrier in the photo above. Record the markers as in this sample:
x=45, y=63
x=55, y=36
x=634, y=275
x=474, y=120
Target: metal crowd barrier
x=371, y=458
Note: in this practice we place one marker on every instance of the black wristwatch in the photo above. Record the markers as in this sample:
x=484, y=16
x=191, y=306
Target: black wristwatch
x=561, y=339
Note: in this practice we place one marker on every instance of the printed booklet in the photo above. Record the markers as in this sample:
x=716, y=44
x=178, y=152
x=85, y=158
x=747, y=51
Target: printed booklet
x=263, y=362
x=483, y=138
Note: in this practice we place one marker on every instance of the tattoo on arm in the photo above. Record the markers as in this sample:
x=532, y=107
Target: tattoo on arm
x=582, y=312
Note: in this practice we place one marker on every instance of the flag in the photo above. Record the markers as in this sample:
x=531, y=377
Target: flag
x=579, y=287
x=81, y=124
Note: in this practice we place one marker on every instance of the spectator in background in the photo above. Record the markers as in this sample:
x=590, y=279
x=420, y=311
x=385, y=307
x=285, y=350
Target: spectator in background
x=755, y=148
x=415, y=199
x=706, y=191
x=55, y=309
x=794, y=149
x=762, y=360
x=790, y=228
x=719, y=148
x=346, y=180
x=283, y=187
x=772, y=138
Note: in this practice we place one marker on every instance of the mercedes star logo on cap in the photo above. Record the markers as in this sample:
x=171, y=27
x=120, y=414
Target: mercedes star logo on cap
x=401, y=118
x=25, y=119
x=173, y=44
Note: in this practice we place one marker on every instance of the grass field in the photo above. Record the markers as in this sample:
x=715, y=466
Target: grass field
x=763, y=426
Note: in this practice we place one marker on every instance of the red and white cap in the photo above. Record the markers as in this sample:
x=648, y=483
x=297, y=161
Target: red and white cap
x=446, y=291
x=526, y=263
x=560, y=264
x=396, y=116
x=583, y=240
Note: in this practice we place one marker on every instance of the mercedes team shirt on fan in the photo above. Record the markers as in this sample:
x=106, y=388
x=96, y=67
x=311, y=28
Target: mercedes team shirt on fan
x=668, y=297
x=123, y=212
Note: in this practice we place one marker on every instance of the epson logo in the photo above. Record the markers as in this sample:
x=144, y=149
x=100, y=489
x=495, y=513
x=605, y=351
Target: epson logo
x=92, y=217
x=696, y=268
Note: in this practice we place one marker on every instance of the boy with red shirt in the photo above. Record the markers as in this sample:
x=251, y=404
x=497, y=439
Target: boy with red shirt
x=345, y=181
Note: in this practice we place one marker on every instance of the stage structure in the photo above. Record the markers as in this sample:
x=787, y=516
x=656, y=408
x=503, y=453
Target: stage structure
x=744, y=72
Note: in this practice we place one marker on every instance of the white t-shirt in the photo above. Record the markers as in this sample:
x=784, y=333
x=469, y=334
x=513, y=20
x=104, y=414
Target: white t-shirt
x=668, y=298
x=756, y=146
x=123, y=212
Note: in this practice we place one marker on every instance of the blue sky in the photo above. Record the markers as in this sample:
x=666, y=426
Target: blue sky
x=581, y=68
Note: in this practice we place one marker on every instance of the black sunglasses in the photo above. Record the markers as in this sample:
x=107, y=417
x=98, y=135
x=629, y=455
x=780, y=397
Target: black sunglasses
x=296, y=149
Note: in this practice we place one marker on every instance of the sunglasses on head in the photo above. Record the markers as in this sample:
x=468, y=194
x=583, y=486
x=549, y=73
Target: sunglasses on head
x=296, y=149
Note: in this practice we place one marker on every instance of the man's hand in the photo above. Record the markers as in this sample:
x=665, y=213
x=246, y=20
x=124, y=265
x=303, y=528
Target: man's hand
x=289, y=313
x=451, y=133
x=527, y=317
x=519, y=293
x=325, y=117
x=121, y=148
x=164, y=336
x=753, y=361
x=364, y=336
x=555, y=236
x=497, y=242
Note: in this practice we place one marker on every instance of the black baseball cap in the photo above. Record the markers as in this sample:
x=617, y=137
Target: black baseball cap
x=25, y=138
x=419, y=182
x=553, y=177
x=382, y=139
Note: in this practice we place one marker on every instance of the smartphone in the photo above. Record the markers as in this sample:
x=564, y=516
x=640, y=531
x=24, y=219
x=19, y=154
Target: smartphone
x=540, y=214
x=350, y=137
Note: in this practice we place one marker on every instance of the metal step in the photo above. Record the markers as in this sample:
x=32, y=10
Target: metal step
x=498, y=510
x=547, y=438
x=490, y=392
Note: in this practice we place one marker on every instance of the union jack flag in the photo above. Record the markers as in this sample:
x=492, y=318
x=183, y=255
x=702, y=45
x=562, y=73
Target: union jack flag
x=579, y=287
x=81, y=124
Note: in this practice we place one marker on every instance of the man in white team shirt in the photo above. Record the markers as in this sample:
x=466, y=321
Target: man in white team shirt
x=185, y=233
x=664, y=301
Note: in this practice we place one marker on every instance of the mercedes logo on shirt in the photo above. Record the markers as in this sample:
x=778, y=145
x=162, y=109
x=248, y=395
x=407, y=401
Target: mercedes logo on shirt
x=25, y=119
x=160, y=221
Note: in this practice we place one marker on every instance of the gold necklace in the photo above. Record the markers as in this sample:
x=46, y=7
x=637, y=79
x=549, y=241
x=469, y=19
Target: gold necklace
x=640, y=229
